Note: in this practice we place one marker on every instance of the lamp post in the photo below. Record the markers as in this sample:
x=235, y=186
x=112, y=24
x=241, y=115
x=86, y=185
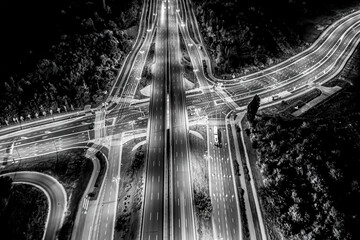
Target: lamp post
x=17, y=119
x=21, y=120
x=51, y=113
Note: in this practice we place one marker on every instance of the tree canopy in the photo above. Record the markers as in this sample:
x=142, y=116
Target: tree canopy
x=252, y=108
x=310, y=175
x=79, y=65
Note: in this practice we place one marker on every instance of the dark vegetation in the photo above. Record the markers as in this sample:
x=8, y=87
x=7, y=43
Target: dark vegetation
x=199, y=172
x=243, y=36
x=310, y=166
x=131, y=192
x=311, y=186
x=147, y=75
x=200, y=182
x=68, y=55
x=203, y=204
x=72, y=169
x=252, y=108
x=23, y=211
x=237, y=172
x=186, y=62
x=138, y=161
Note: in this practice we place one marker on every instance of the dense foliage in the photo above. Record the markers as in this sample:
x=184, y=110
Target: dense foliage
x=77, y=65
x=252, y=108
x=311, y=181
x=203, y=204
x=138, y=161
x=25, y=213
x=257, y=32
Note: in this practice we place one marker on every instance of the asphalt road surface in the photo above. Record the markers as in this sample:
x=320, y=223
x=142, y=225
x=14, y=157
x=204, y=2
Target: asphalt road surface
x=153, y=215
x=303, y=72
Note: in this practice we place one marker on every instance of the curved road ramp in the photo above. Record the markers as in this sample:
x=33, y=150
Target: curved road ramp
x=55, y=194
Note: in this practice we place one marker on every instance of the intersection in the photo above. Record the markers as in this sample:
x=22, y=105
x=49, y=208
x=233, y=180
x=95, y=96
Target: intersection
x=169, y=211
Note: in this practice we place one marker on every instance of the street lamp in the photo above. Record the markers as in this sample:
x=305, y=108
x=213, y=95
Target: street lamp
x=51, y=113
x=21, y=119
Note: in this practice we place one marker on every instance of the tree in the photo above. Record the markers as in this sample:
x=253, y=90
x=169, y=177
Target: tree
x=203, y=204
x=253, y=108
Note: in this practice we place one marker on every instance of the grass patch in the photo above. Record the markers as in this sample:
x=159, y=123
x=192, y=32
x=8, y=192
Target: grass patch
x=24, y=214
x=146, y=74
x=131, y=191
x=186, y=62
x=200, y=178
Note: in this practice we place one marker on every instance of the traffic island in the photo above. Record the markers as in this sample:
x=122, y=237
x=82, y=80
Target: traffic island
x=25, y=211
x=131, y=190
x=200, y=178
x=238, y=156
x=189, y=71
x=143, y=89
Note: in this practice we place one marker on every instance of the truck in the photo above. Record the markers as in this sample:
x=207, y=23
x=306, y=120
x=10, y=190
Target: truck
x=216, y=140
x=217, y=137
x=10, y=149
x=275, y=97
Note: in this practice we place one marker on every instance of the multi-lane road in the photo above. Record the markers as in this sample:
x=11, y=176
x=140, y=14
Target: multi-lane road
x=168, y=211
x=153, y=215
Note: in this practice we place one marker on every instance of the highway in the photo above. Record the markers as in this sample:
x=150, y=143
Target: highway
x=224, y=198
x=153, y=213
x=321, y=62
x=182, y=210
x=55, y=194
x=168, y=211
